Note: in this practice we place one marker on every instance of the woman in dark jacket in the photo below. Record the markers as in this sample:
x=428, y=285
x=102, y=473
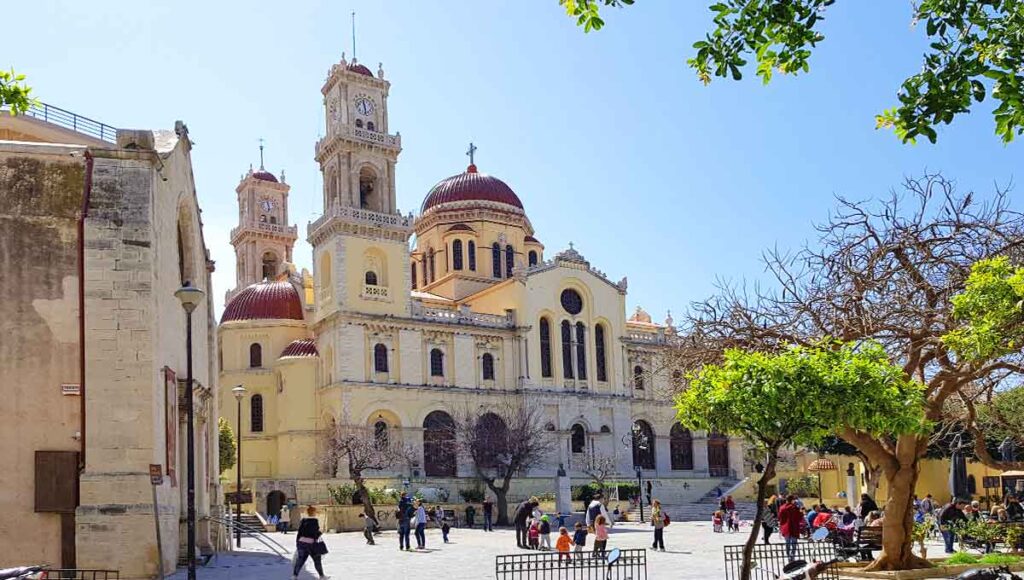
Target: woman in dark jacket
x=308, y=544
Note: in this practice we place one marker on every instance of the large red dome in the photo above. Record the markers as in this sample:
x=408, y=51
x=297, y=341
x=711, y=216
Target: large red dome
x=358, y=68
x=264, y=176
x=471, y=186
x=265, y=301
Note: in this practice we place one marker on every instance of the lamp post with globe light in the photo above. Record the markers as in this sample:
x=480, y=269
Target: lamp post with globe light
x=190, y=297
x=239, y=393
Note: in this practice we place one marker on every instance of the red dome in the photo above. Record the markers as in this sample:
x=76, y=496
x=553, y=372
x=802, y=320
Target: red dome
x=265, y=176
x=265, y=301
x=471, y=186
x=302, y=347
x=358, y=68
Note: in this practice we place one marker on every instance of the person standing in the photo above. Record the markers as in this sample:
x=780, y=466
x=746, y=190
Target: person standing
x=421, y=526
x=596, y=508
x=789, y=524
x=927, y=504
x=308, y=544
x=950, y=517
x=404, y=516
x=488, y=509
x=523, y=512
x=868, y=505
x=545, y=532
x=600, y=536
x=658, y=521
x=368, y=525
x=470, y=515
x=563, y=544
x=770, y=519
x=579, y=537
x=445, y=528
x=650, y=491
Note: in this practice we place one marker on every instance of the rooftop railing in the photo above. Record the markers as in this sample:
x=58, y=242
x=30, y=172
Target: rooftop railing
x=75, y=122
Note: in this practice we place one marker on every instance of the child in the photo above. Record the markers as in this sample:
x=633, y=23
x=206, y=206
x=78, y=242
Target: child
x=368, y=525
x=734, y=521
x=446, y=527
x=545, y=532
x=600, y=536
x=716, y=522
x=579, y=538
x=562, y=545
x=534, y=535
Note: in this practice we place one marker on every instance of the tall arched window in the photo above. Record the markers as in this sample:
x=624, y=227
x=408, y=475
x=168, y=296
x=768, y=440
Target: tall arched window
x=581, y=351
x=681, y=447
x=359, y=123
x=413, y=275
x=436, y=363
x=430, y=263
x=510, y=261
x=270, y=265
x=496, y=260
x=599, y=353
x=532, y=258
x=471, y=250
x=371, y=278
x=487, y=362
x=380, y=358
x=255, y=355
x=578, y=439
x=256, y=414
x=567, y=350
x=643, y=445
x=369, y=125
x=439, y=445
x=638, y=378
x=380, y=434
x=457, y=254
x=545, y=348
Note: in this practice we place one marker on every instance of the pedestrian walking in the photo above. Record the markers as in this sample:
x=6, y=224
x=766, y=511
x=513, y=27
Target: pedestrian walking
x=790, y=518
x=950, y=517
x=562, y=545
x=308, y=544
x=579, y=538
x=421, y=526
x=600, y=536
x=658, y=520
x=470, y=515
x=404, y=515
x=596, y=508
x=445, y=528
x=488, y=509
x=368, y=525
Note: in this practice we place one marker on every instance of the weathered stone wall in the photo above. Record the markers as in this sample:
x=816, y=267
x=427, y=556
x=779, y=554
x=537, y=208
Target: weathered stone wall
x=41, y=188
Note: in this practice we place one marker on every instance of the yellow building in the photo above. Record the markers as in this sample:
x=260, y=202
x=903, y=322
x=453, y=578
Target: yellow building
x=399, y=338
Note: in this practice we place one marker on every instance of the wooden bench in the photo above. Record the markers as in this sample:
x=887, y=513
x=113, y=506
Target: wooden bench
x=869, y=539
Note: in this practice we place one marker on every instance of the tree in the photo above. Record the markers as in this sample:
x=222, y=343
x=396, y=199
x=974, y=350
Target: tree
x=835, y=445
x=363, y=449
x=883, y=271
x=976, y=49
x=598, y=467
x=503, y=441
x=226, y=445
x=14, y=93
x=798, y=396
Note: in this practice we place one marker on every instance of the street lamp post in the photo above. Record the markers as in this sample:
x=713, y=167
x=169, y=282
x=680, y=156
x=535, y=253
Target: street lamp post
x=637, y=440
x=190, y=297
x=640, y=487
x=239, y=393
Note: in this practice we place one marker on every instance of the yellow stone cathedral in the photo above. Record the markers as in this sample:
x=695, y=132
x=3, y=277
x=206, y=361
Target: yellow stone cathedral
x=398, y=339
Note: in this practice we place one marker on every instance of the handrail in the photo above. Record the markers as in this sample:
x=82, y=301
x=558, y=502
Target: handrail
x=253, y=532
x=73, y=121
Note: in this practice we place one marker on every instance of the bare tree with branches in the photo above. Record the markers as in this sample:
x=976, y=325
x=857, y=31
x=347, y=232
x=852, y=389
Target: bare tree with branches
x=363, y=449
x=503, y=441
x=598, y=467
x=883, y=271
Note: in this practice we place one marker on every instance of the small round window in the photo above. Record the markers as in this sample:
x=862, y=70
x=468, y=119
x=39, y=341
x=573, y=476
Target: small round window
x=572, y=302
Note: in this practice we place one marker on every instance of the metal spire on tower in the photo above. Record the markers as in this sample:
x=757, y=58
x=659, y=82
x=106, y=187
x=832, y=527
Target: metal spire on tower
x=261, y=155
x=353, y=35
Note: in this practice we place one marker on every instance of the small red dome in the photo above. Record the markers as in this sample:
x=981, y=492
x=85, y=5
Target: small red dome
x=300, y=348
x=471, y=186
x=264, y=301
x=358, y=68
x=265, y=176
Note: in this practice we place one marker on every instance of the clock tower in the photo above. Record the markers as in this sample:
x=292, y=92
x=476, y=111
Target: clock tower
x=263, y=240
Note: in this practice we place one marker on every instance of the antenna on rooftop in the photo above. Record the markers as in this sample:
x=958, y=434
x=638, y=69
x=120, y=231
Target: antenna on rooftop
x=353, y=35
x=261, y=155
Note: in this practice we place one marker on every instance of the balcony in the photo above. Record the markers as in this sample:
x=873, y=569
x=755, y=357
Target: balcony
x=461, y=317
x=376, y=293
x=275, y=229
x=360, y=216
x=385, y=140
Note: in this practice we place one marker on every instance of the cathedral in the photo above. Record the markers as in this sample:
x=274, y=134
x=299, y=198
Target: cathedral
x=398, y=336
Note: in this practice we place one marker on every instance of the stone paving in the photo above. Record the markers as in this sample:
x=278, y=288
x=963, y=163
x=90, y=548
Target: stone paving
x=694, y=552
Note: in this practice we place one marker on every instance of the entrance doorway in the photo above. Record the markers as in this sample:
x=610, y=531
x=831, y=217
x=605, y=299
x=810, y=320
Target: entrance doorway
x=275, y=501
x=718, y=455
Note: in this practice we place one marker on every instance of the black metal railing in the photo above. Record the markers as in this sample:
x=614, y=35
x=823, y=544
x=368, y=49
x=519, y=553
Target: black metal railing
x=631, y=565
x=75, y=122
x=770, y=559
x=78, y=574
x=230, y=525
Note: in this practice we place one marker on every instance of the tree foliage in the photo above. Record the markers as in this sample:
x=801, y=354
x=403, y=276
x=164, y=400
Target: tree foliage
x=975, y=50
x=991, y=307
x=14, y=93
x=226, y=445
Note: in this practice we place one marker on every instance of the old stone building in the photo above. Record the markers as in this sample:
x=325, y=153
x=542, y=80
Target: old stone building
x=98, y=229
x=399, y=338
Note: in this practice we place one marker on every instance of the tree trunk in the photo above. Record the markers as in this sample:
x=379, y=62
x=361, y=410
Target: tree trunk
x=898, y=526
x=501, y=501
x=364, y=496
x=755, y=527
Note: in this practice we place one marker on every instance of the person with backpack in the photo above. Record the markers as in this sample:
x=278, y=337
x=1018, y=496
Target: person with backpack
x=596, y=508
x=659, y=519
x=404, y=516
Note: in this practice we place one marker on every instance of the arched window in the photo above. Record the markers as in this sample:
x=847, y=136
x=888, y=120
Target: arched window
x=359, y=123
x=273, y=219
x=638, y=378
x=545, y=348
x=255, y=355
x=567, y=350
x=496, y=260
x=510, y=261
x=599, y=350
x=263, y=218
x=380, y=358
x=369, y=198
x=269, y=265
x=471, y=250
x=436, y=363
x=439, y=445
x=380, y=434
x=256, y=414
x=643, y=445
x=413, y=275
x=718, y=455
x=532, y=258
x=581, y=351
x=369, y=125
x=487, y=361
x=681, y=447
x=457, y=255
x=371, y=278
x=430, y=264
x=578, y=439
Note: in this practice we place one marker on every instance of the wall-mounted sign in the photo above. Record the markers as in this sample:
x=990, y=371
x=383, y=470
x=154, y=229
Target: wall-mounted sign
x=71, y=389
x=156, y=473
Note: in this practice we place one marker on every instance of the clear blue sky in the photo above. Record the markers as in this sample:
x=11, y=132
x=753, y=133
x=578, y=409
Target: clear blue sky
x=608, y=138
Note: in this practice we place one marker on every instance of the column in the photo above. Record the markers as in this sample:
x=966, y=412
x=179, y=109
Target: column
x=736, y=463
x=700, y=454
x=662, y=455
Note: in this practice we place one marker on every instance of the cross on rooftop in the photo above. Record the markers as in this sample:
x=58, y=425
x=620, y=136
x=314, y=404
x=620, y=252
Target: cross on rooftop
x=471, y=152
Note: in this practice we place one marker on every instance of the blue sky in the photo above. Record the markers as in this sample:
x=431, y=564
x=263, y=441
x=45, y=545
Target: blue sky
x=607, y=137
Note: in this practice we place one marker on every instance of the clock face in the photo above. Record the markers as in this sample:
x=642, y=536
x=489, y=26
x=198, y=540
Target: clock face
x=364, y=106
x=267, y=204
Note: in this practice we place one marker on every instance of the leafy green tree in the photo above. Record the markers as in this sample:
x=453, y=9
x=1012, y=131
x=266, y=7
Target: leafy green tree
x=226, y=443
x=799, y=396
x=14, y=93
x=976, y=50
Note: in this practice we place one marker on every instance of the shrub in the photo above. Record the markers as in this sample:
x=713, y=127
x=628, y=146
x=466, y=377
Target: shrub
x=546, y=496
x=383, y=495
x=472, y=495
x=962, y=558
x=342, y=494
x=803, y=486
x=999, y=559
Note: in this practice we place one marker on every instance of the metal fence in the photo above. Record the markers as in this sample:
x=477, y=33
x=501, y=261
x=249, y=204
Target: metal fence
x=76, y=574
x=631, y=565
x=72, y=121
x=770, y=559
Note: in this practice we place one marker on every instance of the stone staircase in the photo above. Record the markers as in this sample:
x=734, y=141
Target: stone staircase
x=250, y=521
x=700, y=510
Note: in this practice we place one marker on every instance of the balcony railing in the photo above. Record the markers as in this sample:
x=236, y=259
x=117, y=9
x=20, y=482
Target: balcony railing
x=460, y=317
x=365, y=135
x=69, y=120
x=363, y=216
x=375, y=292
x=269, y=228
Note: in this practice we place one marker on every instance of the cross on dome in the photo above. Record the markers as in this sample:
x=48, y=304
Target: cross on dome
x=471, y=152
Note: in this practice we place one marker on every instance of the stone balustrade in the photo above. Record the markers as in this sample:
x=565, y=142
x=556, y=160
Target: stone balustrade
x=269, y=228
x=365, y=135
x=364, y=216
x=460, y=317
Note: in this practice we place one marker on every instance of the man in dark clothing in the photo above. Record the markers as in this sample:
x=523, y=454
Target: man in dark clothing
x=951, y=516
x=404, y=522
x=523, y=513
x=488, y=515
x=789, y=524
x=1014, y=511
